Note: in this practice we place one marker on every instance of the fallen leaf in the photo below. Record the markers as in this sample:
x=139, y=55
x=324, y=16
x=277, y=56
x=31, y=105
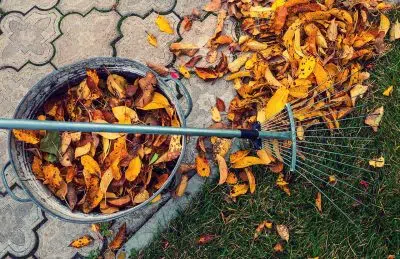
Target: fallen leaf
x=220, y=105
x=264, y=156
x=156, y=199
x=159, y=69
x=180, y=190
x=202, y=166
x=51, y=142
x=106, y=180
x=388, y=91
x=238, y=155
x=235, y=65
x=205, y=239
x=282, y=184
x=183, y=70
x=283, y=232
x=377, y=162
x=116, y=85
x=251, y=179
x=133, y=169
x=141, y=197
x=158, y=101
x=395, y=31
x=278, y=248
x=277, y=103
x=119, y=238
x=223, y=169
x=82, y=241
x=212, y=6
x=318, y=202
x=193, y=61
x=186, y=23
x=238, y=189
x=231, y=179
x=374, y=119
x=384, y=24
x=125, y=115
x=332, y=31
x=152, y=40
x=205, y=73
x=248, y=161
x=163, y=24
x=306, y=67
x=215, y=115
x=52, y=176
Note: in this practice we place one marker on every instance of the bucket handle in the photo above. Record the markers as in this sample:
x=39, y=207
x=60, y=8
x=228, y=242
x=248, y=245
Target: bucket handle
x=184, y=92
x=8, y=189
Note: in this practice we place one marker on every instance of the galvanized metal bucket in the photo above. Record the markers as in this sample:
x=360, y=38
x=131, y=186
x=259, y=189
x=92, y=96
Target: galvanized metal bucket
x=57, y=82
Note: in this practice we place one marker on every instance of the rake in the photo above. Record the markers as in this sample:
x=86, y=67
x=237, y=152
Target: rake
x=320, y=153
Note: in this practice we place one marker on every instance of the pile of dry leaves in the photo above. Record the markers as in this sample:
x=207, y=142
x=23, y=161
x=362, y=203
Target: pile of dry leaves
x=105, y=171
x=311, y=54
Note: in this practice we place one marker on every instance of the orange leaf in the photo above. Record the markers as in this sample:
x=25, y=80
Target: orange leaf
x=318, y=202
x=206, y=73
x=180, y=190
x=52, y=176
x=212, y=6
x=205, y=239
x=82, y=241
x=238, y=155
x=119, y=239
x=278, y=248
x=231, y=179
x=248, y=161
x=223, y=169
x=252, y=180
x=202, y=166
x=27, y=136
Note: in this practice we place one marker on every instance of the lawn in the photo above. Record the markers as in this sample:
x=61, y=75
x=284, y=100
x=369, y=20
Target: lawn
x=375, y=232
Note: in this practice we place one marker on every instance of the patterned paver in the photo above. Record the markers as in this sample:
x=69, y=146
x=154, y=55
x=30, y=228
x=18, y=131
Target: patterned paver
x=39, y=36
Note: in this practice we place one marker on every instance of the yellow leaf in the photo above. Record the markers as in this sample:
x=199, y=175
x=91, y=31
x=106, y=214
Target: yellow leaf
x=306, y=67
x=184, y=71
x=175, y=144
x=106, y=180
x=27, y=136
x=248, y=161
x=323, y=80
x=297, y=45
x=395, y=31
x=276, y=103
x=263, y=155
x=215, y=114
x=125, y=115
x=82, y=241
x=384, y=24
x=106, y=147
x=52, y=176
x=374, y=119
x=223, y=169
x=141, y=197
x=238, y=155
x=163, y=24
x=318, y=202
x=107, y=135
x=377, y=162
x=156, y=199
x=235, y=65
x=238, y=189
x=251, y=179
x=180, y=190
x=271, y=78
x=159, y=101
x=133, y=169
x=231, y=179
x=283, y=232
x=332, y=180
x=260, y=12
x=282, y=184
x=388, y=91
x=83, y=150
x=357, y=92
x=239, y=74
x=277, y=3
x=116, y=85
x=221, y=146
x=300, y=132
x=152, y=39
x=202, y=167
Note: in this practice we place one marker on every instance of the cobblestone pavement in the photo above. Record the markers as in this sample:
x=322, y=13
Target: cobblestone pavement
x=38, y=36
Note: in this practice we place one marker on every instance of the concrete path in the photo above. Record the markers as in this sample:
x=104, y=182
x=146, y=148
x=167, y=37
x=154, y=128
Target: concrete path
x=38, y=36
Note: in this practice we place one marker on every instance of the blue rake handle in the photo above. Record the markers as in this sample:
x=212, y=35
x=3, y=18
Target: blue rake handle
x=139, y=129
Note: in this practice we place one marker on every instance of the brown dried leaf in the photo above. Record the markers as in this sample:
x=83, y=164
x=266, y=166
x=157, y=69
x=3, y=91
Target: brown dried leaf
x=119, y=238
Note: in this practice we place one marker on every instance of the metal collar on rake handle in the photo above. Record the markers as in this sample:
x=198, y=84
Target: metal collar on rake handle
x=253, y=134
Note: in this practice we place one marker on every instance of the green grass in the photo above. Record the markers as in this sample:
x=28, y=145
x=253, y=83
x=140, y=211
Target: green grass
x=375, y=234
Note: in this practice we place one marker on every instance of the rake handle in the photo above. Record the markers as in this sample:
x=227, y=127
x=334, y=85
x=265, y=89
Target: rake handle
x=139, y=129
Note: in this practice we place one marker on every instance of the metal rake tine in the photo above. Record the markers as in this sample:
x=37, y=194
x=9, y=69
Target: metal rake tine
x=350, y=185
x=326, y=196
x=332, y=145
x=360, y=168
x=335, y=153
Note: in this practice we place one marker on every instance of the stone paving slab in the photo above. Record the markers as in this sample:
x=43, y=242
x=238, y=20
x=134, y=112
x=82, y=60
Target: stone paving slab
x=38, y=36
